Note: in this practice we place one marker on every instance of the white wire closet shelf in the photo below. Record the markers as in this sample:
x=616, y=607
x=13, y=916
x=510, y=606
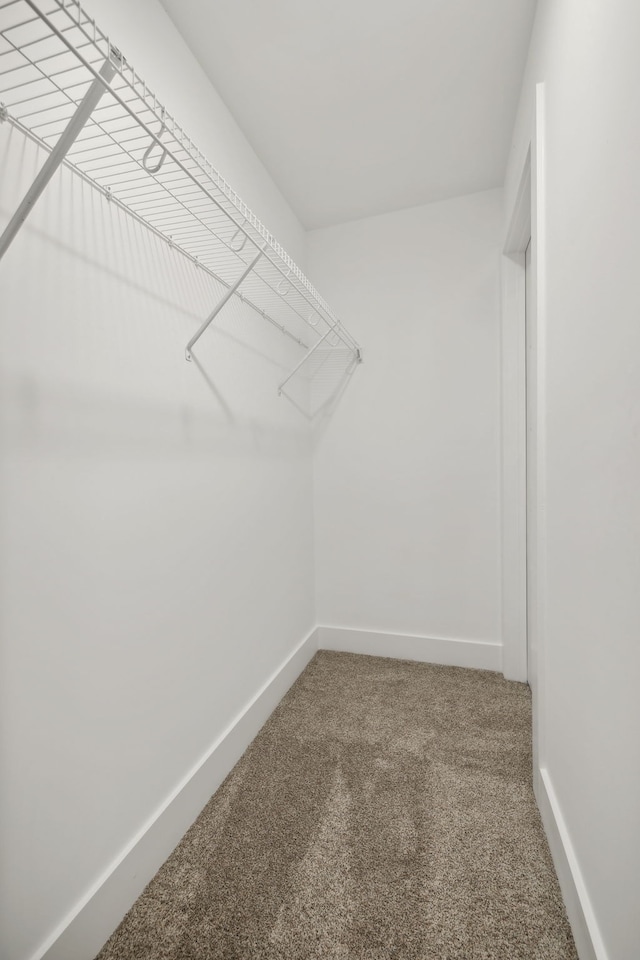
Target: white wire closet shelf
x=66, y=86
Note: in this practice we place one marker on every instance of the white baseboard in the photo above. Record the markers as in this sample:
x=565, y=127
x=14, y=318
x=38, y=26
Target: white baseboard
x=582, y=918
x=478, y=655
x=83, y=932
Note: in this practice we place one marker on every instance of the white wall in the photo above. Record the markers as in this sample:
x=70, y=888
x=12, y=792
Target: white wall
x=586, y=53
x=156, y=521
x=407, y=469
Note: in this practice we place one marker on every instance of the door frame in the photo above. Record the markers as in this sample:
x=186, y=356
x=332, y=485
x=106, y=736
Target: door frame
x=525, y=218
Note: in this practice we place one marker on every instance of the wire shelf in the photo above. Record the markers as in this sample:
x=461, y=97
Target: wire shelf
x=54, y=63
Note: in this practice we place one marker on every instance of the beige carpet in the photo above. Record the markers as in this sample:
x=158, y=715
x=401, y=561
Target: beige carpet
x=384, y=811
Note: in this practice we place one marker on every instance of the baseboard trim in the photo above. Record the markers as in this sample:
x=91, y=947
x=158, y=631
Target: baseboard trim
x=476, y=654
x=86, y=928
x=581, y=915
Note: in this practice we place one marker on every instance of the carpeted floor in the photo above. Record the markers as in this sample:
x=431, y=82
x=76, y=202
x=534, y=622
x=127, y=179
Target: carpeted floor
x=385, y=812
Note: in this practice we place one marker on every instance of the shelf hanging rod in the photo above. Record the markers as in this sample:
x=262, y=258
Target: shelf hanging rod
x=57, y=155
x=218, y=307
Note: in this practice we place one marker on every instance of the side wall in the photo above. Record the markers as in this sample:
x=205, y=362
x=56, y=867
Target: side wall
x=156, y=517
x=586, y=55
x=407, y=468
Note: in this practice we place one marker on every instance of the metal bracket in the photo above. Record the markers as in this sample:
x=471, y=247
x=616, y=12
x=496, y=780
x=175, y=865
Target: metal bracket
x=216, y=310
x=76, y=123
x=4, y=112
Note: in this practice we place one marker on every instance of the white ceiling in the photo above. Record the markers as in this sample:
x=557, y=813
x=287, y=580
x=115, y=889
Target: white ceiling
x=358, y=107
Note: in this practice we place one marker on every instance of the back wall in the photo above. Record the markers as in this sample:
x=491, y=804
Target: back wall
x=407, y=468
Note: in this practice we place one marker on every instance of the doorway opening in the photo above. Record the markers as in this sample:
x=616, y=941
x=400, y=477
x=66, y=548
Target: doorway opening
x=523, y=435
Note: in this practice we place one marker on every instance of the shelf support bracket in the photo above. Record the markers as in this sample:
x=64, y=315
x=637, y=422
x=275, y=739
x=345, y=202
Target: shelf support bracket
x=218, y=307
x=76, y=123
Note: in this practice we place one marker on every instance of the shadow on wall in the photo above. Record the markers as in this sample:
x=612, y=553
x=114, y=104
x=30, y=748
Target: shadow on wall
x=43, y=414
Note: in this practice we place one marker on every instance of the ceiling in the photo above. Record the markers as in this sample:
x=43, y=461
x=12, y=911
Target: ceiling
x=360, y=107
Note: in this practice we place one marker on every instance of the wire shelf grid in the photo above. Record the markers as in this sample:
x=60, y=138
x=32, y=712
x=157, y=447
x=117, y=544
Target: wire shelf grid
x=51, y=56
